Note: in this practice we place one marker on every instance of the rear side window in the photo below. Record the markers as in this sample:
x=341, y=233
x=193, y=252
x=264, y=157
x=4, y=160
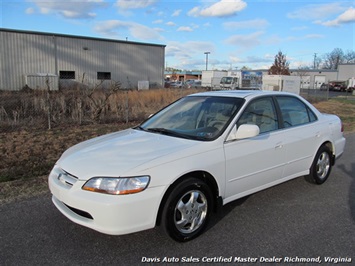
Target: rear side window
x=294, y=112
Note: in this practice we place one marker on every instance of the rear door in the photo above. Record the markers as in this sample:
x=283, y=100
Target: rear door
x=301, y=135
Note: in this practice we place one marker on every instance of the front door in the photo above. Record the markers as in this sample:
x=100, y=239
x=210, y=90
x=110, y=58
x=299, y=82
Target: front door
x=255, y=163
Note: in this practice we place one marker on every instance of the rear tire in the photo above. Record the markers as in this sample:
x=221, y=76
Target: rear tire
x=187, y=210
x=321, y=166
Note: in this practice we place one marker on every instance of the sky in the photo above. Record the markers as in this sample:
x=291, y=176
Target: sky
x=235, y=33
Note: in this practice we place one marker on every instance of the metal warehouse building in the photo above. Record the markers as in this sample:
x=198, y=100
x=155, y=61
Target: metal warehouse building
x=30, y=58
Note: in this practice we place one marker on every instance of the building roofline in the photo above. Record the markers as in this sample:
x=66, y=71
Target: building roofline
x=347, y=64
x=78, y=37
x=313, y=70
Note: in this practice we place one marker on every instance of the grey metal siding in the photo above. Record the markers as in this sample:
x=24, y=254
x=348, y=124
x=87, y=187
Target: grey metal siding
x=127, y=63
x=25, y=53
x=346, y=71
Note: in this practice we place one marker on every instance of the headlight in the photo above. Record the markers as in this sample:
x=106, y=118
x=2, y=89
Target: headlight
x=117, y=186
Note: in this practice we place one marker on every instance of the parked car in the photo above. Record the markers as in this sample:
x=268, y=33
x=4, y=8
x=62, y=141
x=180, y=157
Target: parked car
x=337, y=86
x=324, y=87
x=192, y=83
x=176, y=84
x=192, y=157
x=167, y=84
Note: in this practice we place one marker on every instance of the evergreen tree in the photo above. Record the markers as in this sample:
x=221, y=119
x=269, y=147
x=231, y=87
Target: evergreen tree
x=280, y=66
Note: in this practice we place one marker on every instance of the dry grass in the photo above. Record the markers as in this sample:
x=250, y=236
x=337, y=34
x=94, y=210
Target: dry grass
x=20, y=189
x=43, y=109
x=26, y=153
x=343, y=108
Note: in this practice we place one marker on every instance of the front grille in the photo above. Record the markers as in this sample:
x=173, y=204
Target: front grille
x=80, y=212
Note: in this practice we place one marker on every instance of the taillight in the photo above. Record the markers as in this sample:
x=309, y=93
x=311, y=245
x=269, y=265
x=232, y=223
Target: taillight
x=342, y=127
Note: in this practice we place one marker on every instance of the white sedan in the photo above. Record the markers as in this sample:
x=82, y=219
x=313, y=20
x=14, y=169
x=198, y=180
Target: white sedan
x=195, y=155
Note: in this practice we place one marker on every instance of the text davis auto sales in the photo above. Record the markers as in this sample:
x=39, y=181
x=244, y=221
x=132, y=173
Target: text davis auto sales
x=232, y=259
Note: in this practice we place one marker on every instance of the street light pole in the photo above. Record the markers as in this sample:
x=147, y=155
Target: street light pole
x=207, y=53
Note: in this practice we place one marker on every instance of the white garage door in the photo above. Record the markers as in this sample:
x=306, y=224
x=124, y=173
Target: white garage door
x=318, y=81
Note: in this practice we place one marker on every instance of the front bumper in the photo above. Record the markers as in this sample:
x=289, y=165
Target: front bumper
x=109, y=214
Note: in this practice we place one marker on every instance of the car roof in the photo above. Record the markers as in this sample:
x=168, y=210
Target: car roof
x=240, y=93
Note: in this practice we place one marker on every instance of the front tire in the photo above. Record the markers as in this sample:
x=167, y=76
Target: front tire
x=187, y=210
x=322, y=165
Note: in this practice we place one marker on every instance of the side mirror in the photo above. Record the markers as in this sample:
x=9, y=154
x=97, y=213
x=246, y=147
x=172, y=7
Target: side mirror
x=243, y=132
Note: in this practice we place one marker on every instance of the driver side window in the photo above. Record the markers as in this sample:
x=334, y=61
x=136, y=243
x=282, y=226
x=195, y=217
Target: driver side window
x=260, y=112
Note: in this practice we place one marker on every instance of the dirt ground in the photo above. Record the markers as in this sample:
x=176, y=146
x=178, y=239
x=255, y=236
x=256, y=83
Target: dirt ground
x=27, y=156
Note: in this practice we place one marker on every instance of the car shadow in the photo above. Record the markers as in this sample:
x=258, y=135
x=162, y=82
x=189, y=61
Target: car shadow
x=351, y=174
x=224, y=210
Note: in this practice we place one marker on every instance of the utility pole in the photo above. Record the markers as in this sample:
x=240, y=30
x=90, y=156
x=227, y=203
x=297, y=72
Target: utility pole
x=207, y=53
x=314, y=61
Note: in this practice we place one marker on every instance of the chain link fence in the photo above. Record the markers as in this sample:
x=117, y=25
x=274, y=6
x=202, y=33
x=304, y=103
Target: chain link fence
x=315, y=94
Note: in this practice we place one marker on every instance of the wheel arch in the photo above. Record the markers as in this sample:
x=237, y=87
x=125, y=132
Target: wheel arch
x=331, y=147
x=202, y=175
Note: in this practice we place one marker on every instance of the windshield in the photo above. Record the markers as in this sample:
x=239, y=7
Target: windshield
x=194, y=117
x=226, y=80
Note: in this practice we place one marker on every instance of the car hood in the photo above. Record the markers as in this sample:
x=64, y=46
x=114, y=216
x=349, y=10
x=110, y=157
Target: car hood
x=118, y=153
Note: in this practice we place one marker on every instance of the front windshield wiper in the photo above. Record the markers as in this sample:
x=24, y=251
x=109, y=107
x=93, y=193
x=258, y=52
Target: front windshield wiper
x=157, y=130
x=169, y=132
x=163, y=130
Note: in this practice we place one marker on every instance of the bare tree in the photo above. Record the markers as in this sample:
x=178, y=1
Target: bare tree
x=333, y=59
x=302, y=71
x=280, y=66
x=317, y=62
x=349, y=57
x=100, y=102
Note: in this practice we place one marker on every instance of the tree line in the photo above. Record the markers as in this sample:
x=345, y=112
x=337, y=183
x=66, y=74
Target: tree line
x=328, y=61
x=280, y=66
x=334, y=58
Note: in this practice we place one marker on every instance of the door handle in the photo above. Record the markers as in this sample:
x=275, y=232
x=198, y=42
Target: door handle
x=279, y=145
